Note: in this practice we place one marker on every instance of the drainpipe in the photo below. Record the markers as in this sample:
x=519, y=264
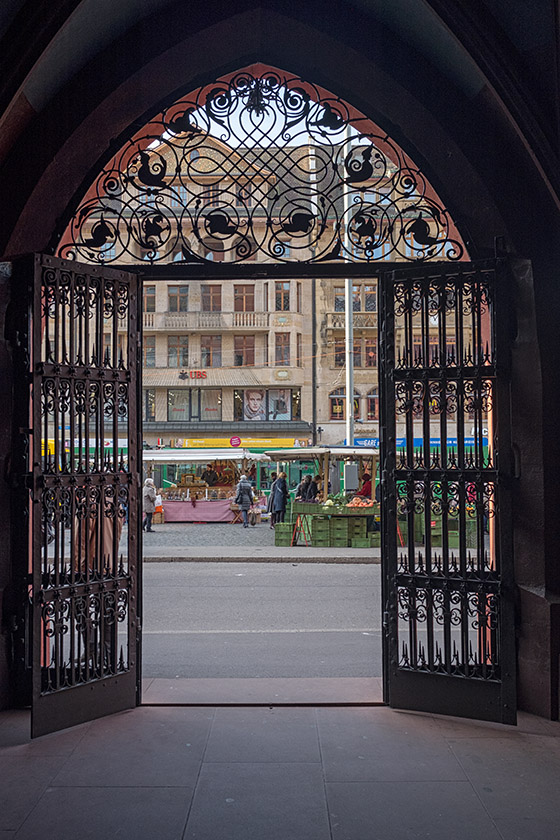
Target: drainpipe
x=313, y=361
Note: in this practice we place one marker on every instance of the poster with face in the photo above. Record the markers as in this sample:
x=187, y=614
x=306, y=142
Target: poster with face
x=279, y=404
x=254, y=404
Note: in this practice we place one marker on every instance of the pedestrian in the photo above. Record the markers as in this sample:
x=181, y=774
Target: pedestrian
x=313, y=489
x=273, y=477
x=302, y=490
x=244, y=498
x=149, y=504
x=279, y=495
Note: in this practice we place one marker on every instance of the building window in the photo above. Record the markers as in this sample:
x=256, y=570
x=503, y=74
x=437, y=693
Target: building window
x=357, y=354
x=149, y=296
x=282, y=349
x=372, y=404
x=177, y=351
x=149, y=351
x=298, y=350
x=180, y=196
x=339, y=299
x=178, y=298
x=298, y=297
x=211, y=350
x=194, y=404
x=339, y=352
x=211, y=195
x=244, y=195
x=370, y=352
x=356, y=299
x=265, y=354
x=370, y=298
x=337, y=400
x=244, y=298
x=418, y=351
x=211, y=298
x=282, y=296
x=275, y=404
x=148, y=404
x=244, y=350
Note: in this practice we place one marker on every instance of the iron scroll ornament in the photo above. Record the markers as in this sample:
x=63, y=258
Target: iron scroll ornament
x=265, y=167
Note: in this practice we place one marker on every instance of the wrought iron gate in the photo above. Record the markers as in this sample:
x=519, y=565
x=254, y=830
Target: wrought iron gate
x=84, y=461
x=448, y=578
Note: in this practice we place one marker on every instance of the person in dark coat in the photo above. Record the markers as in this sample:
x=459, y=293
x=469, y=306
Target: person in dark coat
x=273, y=477
x=302, y=490
x=279, y=495
x=244, y=498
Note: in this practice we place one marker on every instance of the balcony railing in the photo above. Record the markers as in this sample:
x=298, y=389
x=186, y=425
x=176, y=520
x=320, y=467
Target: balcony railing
x=191, y=321
x=361, y=320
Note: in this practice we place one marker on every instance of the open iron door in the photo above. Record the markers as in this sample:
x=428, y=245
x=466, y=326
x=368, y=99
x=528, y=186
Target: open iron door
x=85, y=457
x=446, y=518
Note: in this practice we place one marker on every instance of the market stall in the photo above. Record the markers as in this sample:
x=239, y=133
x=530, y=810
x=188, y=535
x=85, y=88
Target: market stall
x=346, y=517
x=202, y=495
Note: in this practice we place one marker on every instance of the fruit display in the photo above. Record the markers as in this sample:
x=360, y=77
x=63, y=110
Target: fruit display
x=360, y=502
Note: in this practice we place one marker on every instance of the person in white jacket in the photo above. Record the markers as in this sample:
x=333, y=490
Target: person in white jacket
x=149, y=504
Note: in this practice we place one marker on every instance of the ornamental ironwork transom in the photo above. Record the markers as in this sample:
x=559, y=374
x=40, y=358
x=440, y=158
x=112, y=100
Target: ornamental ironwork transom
x=260, y=166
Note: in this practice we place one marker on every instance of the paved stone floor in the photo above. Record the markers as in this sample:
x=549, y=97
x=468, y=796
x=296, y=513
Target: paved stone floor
x=178, y=773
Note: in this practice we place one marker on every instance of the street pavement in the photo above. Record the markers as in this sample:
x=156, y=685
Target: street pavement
x=253, y=620
x=180, y=541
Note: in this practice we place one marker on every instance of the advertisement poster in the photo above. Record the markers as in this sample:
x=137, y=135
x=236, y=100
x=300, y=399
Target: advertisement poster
x=254, y=404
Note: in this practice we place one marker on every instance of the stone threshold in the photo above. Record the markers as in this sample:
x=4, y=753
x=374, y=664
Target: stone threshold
x=355, y=691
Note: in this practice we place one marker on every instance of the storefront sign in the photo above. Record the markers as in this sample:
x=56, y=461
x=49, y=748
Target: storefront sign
x=192, y=374
x=235, y=441
x=418, y=442
x=245, y=442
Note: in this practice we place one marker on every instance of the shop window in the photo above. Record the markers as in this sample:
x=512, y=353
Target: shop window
x=178, y=405
x=149, y=298
x=244, y=350
x=178, y=298
x=211, y=350
x=282, y=349
x=177, y=351
x=244, y=298
x=211, y=298
x=274, y=404
x=210, y=404
x=148, y=404
x=244, y=195
x=282, y=296
x=149, y=351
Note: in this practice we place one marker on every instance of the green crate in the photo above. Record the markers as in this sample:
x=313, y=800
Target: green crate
x=358, y=528
x=339, y=542
x=375, y=539
x=360, y=543
x=320, y=542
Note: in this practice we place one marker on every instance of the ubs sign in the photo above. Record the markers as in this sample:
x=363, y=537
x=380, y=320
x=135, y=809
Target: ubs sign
x=192, y=374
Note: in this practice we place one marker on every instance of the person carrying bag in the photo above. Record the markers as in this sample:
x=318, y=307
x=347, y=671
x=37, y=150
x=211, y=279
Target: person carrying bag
x=244, y=498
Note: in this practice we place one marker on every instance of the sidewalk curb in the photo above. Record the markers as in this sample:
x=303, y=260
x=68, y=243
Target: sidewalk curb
x=297, y=559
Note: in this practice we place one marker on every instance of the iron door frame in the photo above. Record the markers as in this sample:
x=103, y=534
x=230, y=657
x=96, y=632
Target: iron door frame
x=479, y=687
x=83, y=594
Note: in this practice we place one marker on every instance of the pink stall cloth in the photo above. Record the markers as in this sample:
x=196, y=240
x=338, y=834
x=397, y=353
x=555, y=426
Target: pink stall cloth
x=218, y=510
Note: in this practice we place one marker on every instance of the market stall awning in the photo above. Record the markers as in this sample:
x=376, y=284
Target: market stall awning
x=311, y=452
x=203, y=456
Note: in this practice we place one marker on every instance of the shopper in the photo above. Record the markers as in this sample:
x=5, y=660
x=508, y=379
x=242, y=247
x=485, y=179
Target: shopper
x=279, y=495
x=273, y=477
x=302, y=490
x=149, y=504
x=244, y=498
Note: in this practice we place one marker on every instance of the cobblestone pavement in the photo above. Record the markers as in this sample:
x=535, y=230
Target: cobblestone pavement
x=214, y=533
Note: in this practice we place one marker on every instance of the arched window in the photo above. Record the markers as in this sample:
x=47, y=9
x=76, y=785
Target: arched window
x=337, y=404
x=372, y=400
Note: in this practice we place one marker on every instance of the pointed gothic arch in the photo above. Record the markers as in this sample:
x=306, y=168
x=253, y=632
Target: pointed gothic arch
x=259, y=165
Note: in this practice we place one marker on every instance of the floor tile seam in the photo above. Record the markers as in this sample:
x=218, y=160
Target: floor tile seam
x=430, y=782
x=118, y=786
x=197, y=780
x=324, y=778
x=478, y=796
